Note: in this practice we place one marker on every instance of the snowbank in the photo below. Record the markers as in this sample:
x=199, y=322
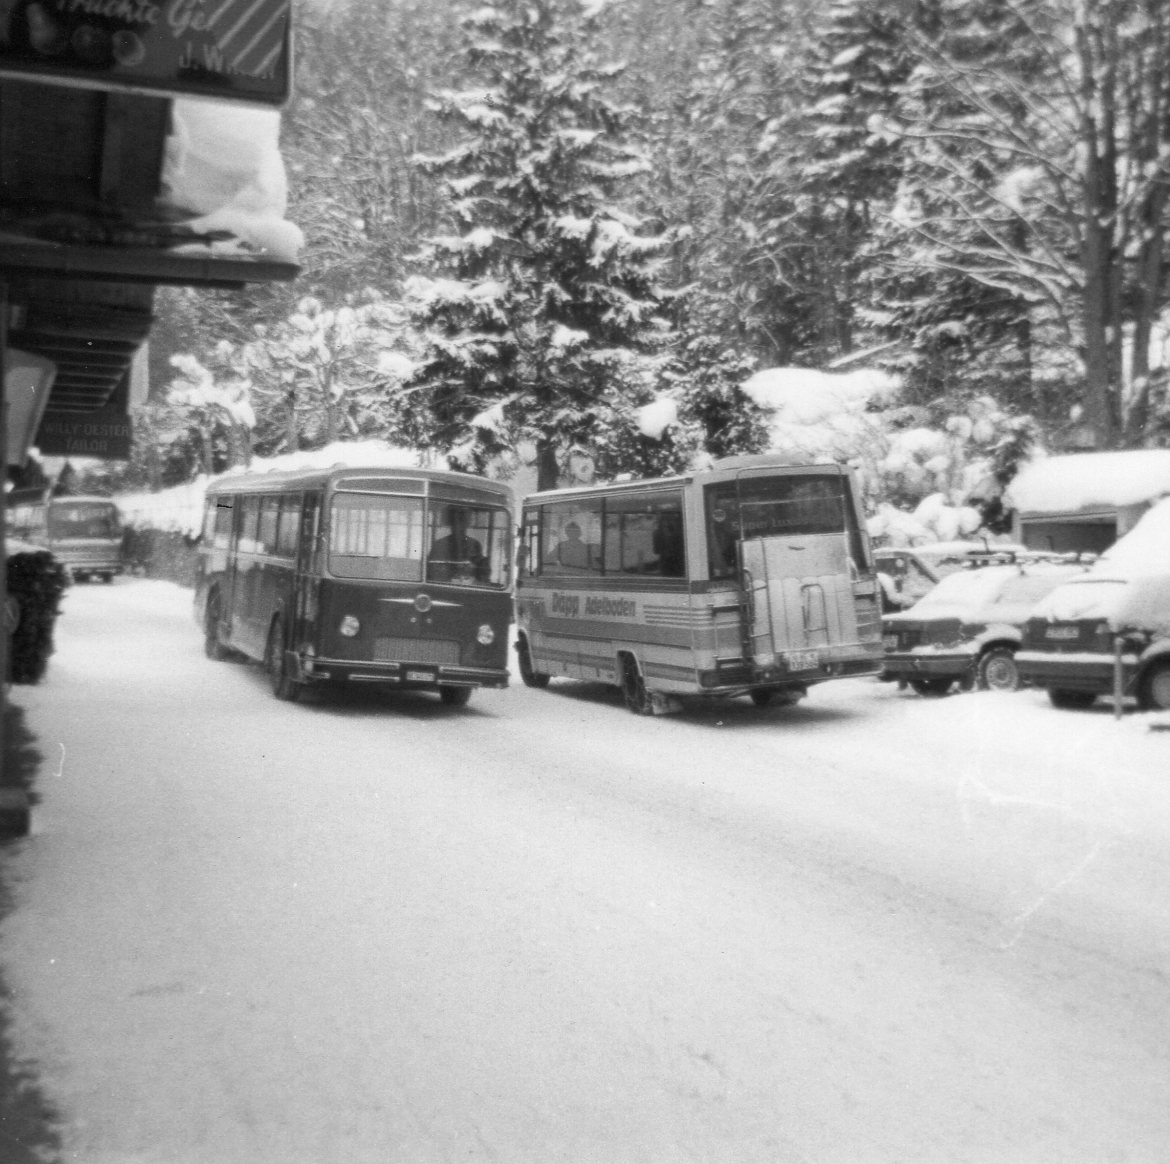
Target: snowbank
x=180, y=508
x=1091, y=480
x=804, y=396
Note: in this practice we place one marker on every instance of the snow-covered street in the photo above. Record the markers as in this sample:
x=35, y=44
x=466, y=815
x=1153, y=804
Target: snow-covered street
x=377, y=930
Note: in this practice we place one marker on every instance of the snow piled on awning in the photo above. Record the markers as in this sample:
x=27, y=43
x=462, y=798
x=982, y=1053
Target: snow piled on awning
x=1087, y=481
x=223, y=166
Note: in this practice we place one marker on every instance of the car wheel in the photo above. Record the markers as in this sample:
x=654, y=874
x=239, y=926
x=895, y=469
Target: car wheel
x=1154, y=693
x=634, y=687
x=284, y=686
x=931, y=686
x=1071, y=700
x=998, y=670
x=528, y=675
x=455, y=696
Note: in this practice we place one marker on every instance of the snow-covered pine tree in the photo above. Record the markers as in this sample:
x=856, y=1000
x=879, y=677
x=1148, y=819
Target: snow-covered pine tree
x=825, y=178
x=541, y=309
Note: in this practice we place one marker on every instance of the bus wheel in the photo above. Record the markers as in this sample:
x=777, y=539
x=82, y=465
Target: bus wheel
x=998, y=671
x=455, y=696
x=528, y=674
x=634, y=687
x=761, y=696
x=1154, y=693
x=284, y=686
x=212, y=647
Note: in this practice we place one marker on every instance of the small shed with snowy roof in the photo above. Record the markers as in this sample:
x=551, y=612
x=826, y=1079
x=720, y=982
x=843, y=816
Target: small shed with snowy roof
x=1085, y=501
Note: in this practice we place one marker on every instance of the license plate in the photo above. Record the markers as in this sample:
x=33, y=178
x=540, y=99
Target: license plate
x=420, y=676
x=1062, y=632
x=890, y=642
x=801, y=660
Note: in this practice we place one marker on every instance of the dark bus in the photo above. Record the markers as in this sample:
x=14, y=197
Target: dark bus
x=351, y=575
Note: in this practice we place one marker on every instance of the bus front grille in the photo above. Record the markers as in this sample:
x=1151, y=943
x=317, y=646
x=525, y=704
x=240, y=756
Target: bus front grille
x=388, y=649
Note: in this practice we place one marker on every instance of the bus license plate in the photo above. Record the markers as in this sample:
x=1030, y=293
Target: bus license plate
x=890, y=642
x=801, y=660
x=420, y=676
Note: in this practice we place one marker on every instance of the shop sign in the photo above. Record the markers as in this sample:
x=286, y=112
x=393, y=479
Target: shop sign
x=104, y=433
x=227, y=49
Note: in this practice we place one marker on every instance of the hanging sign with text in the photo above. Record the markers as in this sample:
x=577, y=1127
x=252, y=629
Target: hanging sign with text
x=233, y=50
x=104, y=433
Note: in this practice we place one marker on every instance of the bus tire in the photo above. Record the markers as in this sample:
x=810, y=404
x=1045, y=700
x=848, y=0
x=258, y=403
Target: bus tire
x=212, y=647
x=455, y=696
x=528, y=674
x=634, y=687
x=284, y=686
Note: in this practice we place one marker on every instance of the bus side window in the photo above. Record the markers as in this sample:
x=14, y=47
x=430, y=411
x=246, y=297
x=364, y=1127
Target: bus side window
x=528, y=553
x=571, y=537
x=644, y=535
x=269, y=516
x=222, y=534
x=250, y=525
x=290, y=524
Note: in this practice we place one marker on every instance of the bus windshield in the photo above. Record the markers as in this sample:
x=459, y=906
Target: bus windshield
x=83, y=519
x=395, y=539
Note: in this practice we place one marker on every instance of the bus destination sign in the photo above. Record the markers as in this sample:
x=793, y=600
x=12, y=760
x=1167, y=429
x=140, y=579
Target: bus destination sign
x=232, y=50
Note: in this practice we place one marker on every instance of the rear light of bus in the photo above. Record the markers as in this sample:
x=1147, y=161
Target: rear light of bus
x=485, y=636
x=350, y=626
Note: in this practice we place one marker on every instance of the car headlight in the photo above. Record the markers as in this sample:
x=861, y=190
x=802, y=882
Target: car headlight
x=485, y=635
x=350, y=626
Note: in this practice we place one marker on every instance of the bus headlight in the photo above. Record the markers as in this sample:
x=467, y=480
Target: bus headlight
x=485, y=635
x=350, y=626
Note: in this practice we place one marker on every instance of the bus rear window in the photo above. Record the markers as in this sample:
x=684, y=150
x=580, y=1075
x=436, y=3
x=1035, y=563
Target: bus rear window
x=83, y=520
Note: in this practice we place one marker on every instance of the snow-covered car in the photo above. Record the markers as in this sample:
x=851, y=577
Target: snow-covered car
x=968, y=628
x=1111, y=624
x=1071, y=642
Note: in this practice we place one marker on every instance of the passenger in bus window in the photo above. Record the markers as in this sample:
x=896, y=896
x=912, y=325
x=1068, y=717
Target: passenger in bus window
x=455, y=556
x=721, y=549
x=572, y=550
x=668, y=546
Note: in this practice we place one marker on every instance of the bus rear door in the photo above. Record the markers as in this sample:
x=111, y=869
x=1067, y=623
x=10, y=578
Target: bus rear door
x=800, y=598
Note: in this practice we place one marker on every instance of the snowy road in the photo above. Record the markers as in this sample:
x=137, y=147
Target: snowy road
x=872, y=928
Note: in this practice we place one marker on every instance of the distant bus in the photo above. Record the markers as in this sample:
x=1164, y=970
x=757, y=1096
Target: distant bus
x=83, y=533
x=348, y=576
x=754, y=577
